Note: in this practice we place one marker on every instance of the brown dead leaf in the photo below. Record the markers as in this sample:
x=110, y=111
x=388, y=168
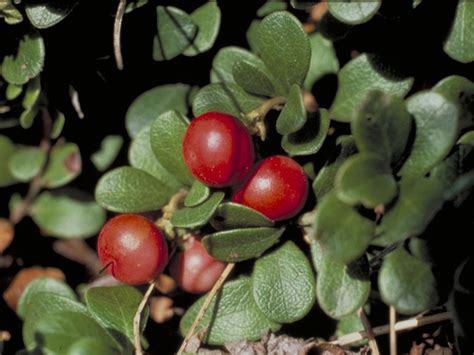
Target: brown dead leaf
x=6, y=234
x=161, y=309
x=13, y=293
x=165, y=284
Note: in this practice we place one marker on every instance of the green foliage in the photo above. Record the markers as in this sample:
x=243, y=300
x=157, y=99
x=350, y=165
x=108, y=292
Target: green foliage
x=64, y=165
x=293, y=115
x=26, y=163
x=109, y=149
x=323, y=60
x=233, y=215
x=7, y=150
x=192, y=217
x=283, y=284
x=44, y=15
x=459, y=44
x=354, y=12
x=63, y=216
x=231, y=316
x=198, y=193
x=224, y=61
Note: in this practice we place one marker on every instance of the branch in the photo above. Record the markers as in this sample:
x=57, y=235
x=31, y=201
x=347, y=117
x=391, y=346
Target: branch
x=369, y=331
x=117, y=30
x=401, y=326
x=137, y=341
x=393, y=333
x=215, y=289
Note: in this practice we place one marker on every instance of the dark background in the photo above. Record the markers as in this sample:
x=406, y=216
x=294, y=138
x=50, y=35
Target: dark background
x=79, y=53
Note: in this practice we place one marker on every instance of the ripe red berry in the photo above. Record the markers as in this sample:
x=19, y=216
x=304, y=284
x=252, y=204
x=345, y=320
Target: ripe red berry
x=132, y=249
x=277, y=187
x=218, y=149
x=194, y=269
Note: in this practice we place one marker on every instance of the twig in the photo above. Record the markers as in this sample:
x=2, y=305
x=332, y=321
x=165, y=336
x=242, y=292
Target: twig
x=77, y=250
x=215, y=289
x=256, y=118
x=137, y=341
x=393, y=333
x=370, y=333
x=76, y=104
x=117, y=30
x=401, y=326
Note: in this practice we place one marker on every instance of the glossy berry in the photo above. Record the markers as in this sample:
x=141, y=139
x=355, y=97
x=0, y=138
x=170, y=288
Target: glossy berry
x=132, y=249
x=218, y=149
x=194, y=269
x=277, y=188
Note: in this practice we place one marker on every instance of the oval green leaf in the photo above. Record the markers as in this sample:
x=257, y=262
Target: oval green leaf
x=459, y=44
x=108, y=152
x=65, y=217
x=283, y=284
x=323, y=59
x=357, y=78
x=43, y=15
x=437, y=127
x=293, y=115
x=354, y=12
x=231, y=316
x=224, y=61
x=341, y=231
x=26, y=163
x=7, y=150
x=175, y=32
x=192, y=217
x=127, y=189
x=230, y=215
x=208, y=21
x=407, y=283
x=366, y=179
x=253, y=77
x=64, y=165
x=89, y=345
x=197, y=194
x=241, y=244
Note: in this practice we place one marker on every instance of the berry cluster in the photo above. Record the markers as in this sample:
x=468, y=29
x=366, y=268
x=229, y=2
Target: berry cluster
x=219, y=152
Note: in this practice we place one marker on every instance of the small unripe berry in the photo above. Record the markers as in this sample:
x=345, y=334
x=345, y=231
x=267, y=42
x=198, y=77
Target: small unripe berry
x=194, y=269
x=132, y=249
x=277, y=188
x=217, y=149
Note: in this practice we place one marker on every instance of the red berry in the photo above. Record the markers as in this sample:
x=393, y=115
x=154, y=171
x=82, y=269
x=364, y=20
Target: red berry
x=194, y=269
x=218, y=149
x=277, y=188
x=132, y=249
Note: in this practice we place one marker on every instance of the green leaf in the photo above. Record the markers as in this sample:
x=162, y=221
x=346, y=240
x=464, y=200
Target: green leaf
x=236, y=245
x=323, y=59
x=11, y=15
x=90, y=345
x=152, y=103
x=39, y=285
x=354, y=12
x=466, y=138
x=271, y=6
x=324, y=181
x=28, y=116
x=293, y=115
x=350, y=324
x=65, y=217
x=460, y=91
x=192, y=217
x=449, y=170
x=459, y=44
x=26, y=163
x=224, y=61
x=64, y=165
x=39, y=307
x=310, y=138
x=225, y=97
x=109, y=150
x=28, y=61
x=437, y=127
x=134, y=5
x=176, y=31
x=407, y=283
x=208, y=21
x=197, y=194
x=60, y=330
x=252, y=34
x=253, y=77
x=284, y=48
x=58, y=125
x=357, y=78
x=13, y=91
x=8, y=122
x=7, y=150
x=340, y=230
x=283, y=284
x=141, y=156
x=128, y=189
x=115, y=307
x=231, y=215
x=231, y=316
x=382, y=126
x=419, y=201
x=47, y=14
x=166, y=137
x=341, y=289
x=366, y=179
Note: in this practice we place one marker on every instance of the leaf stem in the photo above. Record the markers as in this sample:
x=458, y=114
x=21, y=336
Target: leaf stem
x=137, y=320
x=117, y=31
x=257, y=116
x=210, y=296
